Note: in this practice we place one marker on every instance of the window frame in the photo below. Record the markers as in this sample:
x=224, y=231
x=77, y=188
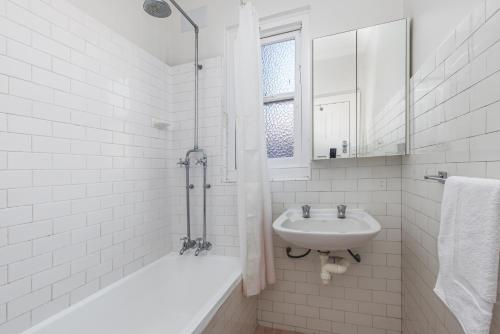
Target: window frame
x=276, y=26
x=295, y=96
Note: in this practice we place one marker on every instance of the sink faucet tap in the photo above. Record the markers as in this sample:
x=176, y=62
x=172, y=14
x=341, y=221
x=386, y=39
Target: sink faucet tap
x=341, y=209
x=306, y=211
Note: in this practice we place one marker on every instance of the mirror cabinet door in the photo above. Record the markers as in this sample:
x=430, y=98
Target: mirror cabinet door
x=360, y=92
x=382, y=79
x=334, y=96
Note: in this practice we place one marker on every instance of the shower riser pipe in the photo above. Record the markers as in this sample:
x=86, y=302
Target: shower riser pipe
x=161, y=9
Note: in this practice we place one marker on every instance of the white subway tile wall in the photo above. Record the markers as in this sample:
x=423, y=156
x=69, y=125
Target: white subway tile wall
x=83, y=174
x=367, y=299
x=371, y=290
x=86, y=182
x=455, y=127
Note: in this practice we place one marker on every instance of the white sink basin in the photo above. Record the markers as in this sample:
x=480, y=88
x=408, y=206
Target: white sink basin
x=324, y=231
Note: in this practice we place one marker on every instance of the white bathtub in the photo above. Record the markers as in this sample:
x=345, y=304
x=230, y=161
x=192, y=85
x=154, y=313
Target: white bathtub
x=176, y=294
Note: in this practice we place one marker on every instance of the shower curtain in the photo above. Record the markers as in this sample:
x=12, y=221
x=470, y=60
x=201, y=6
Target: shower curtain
x=254, y=192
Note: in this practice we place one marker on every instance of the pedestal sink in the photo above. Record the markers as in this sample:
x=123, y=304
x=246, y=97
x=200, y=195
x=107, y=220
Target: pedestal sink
x=324, y=231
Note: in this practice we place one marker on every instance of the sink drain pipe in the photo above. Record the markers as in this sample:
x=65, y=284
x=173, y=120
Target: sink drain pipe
x=355, y=256
x=331, y=265
x=289, y=253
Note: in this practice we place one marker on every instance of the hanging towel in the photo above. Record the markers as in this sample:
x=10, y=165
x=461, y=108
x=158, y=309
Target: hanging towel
x=468, y=249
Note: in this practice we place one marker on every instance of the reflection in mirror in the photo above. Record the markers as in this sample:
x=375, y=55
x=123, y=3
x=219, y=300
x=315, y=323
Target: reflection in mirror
x=381, y=77
x=334, y=96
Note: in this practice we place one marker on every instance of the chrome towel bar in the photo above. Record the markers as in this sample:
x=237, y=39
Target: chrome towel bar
x=441, y=177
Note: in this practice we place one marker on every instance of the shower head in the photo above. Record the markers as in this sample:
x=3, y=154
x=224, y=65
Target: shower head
x=157, y=8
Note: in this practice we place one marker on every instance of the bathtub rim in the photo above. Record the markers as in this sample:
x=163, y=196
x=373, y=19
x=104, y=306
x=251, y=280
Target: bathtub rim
x=198, y=322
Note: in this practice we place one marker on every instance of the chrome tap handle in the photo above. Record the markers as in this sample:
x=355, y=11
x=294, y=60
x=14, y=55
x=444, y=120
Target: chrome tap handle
x=341, y=210
x=199, y=246
x=187, y=244
x=199, y=242
x=202, y=161
x=306, y=211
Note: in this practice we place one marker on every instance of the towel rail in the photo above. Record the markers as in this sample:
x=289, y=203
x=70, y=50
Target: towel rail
x=441, y=177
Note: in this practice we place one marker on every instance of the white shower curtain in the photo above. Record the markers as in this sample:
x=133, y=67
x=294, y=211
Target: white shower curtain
x=254, y=192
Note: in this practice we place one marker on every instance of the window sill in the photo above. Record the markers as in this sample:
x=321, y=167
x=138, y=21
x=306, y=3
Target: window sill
x=279, y=174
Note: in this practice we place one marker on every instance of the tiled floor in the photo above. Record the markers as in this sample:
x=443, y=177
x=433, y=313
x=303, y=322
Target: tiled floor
x=264, y=330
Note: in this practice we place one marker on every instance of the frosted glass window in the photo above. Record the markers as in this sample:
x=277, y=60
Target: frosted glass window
x=278, y=68
x=280, y=136
x=278, y=82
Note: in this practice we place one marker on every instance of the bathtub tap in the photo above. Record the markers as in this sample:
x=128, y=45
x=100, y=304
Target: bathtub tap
x=187, y=243
x=203, y=245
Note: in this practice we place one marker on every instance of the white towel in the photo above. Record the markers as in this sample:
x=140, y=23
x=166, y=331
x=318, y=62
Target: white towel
x=468, y=248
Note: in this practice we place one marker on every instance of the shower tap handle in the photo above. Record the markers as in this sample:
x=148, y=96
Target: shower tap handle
x=202, y=161
x=203, y=245
x=187, y=243
x=341, y=209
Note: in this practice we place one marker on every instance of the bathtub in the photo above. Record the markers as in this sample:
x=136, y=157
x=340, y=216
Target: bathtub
x=175, y=294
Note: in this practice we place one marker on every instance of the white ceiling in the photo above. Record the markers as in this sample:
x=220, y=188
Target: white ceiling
x=164, y=38
x=128, y=19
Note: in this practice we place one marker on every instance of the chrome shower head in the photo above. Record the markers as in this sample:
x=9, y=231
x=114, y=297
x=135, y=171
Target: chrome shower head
x=157, y=8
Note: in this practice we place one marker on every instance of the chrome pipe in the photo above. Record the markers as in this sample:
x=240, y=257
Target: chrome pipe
x=188, y=206
x=205, y=199
x=187, y=242
x=164, y=11
x=196, y=86
x=197, y=68
x=203, y=244
x=179, y=8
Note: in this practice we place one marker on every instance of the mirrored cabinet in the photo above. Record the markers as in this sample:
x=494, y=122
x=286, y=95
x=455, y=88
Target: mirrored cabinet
x=360, y=92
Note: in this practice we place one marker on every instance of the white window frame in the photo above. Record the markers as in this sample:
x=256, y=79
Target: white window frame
x=274, y=29
x=296, y=96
